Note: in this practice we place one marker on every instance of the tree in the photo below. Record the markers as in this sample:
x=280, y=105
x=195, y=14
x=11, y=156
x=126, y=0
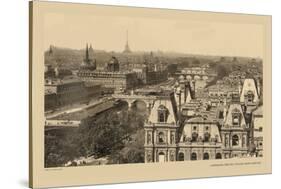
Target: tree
x=118, y=136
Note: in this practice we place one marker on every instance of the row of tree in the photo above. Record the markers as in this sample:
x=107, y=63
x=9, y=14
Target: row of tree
x=116, y=135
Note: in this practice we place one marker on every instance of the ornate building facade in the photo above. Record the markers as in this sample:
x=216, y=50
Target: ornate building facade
x=182, y=128
x=161, y=130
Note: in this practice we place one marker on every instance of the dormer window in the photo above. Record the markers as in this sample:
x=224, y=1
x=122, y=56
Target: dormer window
x=249, y=96
x=236, y=117
x=235, y=120
x=162, y=114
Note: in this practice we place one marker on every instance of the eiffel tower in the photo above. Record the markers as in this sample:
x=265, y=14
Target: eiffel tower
x=127, y=48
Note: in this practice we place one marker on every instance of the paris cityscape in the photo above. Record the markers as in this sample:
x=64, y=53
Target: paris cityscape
x=106, y=107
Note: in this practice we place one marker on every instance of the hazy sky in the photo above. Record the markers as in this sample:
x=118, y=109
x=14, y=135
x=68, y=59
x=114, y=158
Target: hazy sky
x=146, y=34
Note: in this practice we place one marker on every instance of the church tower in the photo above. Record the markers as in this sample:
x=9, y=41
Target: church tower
x=88, y=63
x=127, y=48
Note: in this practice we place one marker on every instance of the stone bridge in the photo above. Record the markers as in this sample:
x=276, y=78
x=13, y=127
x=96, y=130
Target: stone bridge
x=131, y=99
x=196, y=76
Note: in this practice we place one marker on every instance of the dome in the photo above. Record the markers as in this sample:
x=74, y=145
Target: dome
x=113, y=60
x=181, y=77
x=113, y=64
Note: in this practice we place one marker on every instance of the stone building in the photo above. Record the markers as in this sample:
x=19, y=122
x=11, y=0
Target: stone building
x=182, y=128
x=235, y=132
x=161, y=130
x=258, y=130
x=63, y=92
x=59, y=93
x=111, y=78
x=250, y=92
x=200, y=140
x=113, y=65
x=183, y=92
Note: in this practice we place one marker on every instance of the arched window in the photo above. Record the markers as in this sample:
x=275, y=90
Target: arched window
x=162, y=114
x=194, y=137
x=205, y=156
x=161, y=117
x=181, y=156
x=161, y=137
x=235, y=120
x=193, y=156
x=218, y=156
x=206, y=137
x=235, y=140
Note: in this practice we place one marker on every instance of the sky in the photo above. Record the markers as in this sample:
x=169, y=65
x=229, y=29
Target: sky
x=108, y=33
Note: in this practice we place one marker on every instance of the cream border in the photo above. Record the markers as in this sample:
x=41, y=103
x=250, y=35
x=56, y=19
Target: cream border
x=40, y=177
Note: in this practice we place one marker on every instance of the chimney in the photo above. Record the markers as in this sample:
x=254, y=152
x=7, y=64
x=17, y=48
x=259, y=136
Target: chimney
x=224, y=113
x=239, y=88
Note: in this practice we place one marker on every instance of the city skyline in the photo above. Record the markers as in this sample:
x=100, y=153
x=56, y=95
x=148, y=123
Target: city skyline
x=181, y=36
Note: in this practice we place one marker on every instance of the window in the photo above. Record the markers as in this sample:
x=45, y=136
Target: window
x=205, y=156
x=181, y=156
x=161, y=138
x=194, y=137
x=218, y=156
x=161, y=157
x=235, y=140
x=162, y=114
x=194, y=128
x=250, y=96
x=161, y=117
x=148, y=138
x=216, y=138
x=206, y=137
x=193, y=156
x=243, y=141
x=172, y=138
x=221, y=115
x=235, y=120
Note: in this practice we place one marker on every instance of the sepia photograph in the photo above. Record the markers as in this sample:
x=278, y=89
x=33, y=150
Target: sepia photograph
x=127, y=90
x=128, y=94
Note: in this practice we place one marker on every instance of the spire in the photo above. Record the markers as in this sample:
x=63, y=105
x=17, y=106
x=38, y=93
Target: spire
x=127, y=39
x=87, y=52
x=127, y=48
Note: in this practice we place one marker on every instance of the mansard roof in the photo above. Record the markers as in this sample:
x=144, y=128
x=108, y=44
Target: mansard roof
x=234, y=108
x=249, y=85
x=200, y=119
